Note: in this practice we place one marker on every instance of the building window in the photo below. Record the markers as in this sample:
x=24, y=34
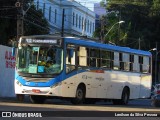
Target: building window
x=79, y=21
x=76, y=20
x=93, y=26
x=90, y=27
x=55, y=17
x=85, y=24
x=73, y=18
x=49, y=13
x=82, y=23
x=44, y=7
x=37, y=4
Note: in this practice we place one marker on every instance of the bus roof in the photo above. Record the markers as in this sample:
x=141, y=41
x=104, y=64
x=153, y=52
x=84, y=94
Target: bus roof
x=90, y=43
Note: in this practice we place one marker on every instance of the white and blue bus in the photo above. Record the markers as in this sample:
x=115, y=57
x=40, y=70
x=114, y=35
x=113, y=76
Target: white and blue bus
x=80, y=70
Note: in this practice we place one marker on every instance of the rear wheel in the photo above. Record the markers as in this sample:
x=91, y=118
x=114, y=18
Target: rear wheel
x=37, y=99
x=124, y=98
x=80, y=95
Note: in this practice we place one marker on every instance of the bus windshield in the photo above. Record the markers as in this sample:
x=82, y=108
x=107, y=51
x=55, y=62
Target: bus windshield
x=39, y=59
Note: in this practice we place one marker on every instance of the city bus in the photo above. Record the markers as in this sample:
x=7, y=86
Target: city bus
x=80, y=70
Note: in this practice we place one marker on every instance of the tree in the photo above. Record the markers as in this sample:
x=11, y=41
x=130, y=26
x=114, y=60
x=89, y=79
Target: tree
x=34, y=21
x=142, y=23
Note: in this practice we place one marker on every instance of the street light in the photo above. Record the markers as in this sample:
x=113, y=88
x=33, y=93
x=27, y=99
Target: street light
x=114, y=25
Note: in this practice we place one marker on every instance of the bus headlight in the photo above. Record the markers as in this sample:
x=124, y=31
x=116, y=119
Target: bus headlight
x=18, y=83
x=55, y=85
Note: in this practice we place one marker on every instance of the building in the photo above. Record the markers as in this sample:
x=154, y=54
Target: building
x=68, y=16
x=99, y=11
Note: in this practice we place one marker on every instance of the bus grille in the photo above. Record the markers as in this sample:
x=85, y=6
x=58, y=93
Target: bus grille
x=36, y=79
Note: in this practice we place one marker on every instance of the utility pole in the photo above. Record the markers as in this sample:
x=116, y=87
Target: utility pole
x=19, y=5
x=139, y=40
x=156, y=64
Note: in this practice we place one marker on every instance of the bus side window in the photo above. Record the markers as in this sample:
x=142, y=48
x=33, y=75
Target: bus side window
x=141, y=63
x=126, y=61
x=106, y=59
x=116, y=62
x=70, y=58
x=136, y=66
x=82, y=56
x=131, y=62
x=146, y=65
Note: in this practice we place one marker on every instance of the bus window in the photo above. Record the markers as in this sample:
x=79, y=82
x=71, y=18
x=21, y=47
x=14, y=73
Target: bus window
x=126, y=61
x=131, y=62
x=106, y=59
x=141, y=63
x=95, y=58
x=136, y=67
x=116, y=61
x=70, y=58
x=146, y=65
x=82, y=56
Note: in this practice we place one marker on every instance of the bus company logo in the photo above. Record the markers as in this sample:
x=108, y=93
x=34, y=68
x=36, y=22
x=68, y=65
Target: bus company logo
x=100, y=78
x=6, y=114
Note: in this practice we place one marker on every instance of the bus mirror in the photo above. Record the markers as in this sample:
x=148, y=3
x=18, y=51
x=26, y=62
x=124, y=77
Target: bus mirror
x=13, y=51
x=71, y=52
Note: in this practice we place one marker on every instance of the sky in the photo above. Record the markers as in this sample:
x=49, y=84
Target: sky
x=88, y=3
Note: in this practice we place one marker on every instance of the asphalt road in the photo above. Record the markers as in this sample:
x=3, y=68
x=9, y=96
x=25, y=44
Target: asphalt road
x=64, y=109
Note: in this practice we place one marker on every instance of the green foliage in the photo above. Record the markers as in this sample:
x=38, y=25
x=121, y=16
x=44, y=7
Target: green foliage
x=34, y=22
x=142, y=23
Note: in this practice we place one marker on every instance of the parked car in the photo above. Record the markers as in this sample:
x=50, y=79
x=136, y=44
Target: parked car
x=155, y=98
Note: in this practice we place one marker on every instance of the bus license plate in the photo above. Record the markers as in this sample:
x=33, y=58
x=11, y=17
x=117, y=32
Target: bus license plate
x=36, y=91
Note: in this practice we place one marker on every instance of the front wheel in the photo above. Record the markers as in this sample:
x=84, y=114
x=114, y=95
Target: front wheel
x=37, y=99
x=20, y=97
x=125, y=97
x=79, y=97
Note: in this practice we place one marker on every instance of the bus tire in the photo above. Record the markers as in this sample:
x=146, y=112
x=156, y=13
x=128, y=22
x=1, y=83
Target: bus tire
x=37, y=99
x=20, y=97
x=80, y=95
x=125, y=96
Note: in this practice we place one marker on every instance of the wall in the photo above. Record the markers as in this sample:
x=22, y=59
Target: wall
x=7, y=70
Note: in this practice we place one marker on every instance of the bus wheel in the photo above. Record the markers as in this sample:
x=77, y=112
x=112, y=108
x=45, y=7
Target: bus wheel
x=80, y=95
x=37, y=99
x=20, y=97
x=125, y=96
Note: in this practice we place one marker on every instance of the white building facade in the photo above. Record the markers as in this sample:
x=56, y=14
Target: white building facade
x=78, y=20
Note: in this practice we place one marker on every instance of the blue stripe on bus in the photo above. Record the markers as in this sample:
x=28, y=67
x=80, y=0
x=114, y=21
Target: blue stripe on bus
x=107, y=46
x=51, y=82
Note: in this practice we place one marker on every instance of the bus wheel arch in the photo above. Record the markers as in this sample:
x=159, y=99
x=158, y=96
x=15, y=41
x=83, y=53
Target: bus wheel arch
x=80, y=94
